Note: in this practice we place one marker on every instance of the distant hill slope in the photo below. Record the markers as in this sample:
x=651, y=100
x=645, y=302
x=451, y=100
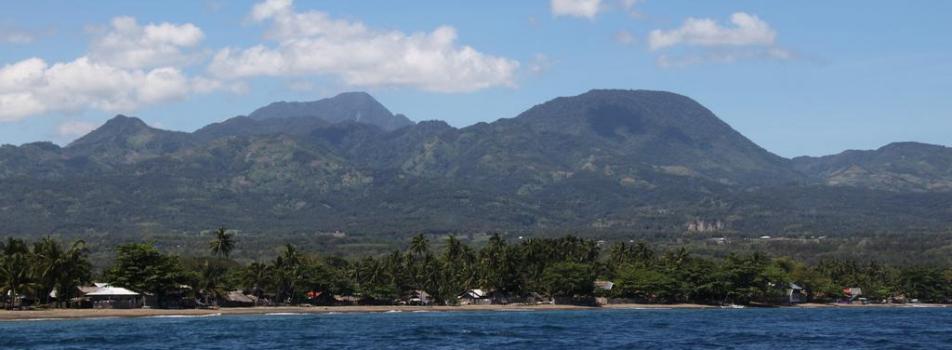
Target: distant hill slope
x=348, y=106
x=606, y=160
x=904, y=166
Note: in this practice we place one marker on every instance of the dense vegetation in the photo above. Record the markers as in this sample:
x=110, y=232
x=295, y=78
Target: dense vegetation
x=563, y=267
x=607, y=161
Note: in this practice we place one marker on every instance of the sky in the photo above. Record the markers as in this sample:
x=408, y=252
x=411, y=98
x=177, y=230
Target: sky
x=796, y=77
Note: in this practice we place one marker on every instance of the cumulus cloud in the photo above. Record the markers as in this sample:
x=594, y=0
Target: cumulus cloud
x=747, y=30
x=313, y=43
x=576, y=8
x=74, y=129
x=129, y=45
x=33, y=86
x=128, y=66
x=746, y=37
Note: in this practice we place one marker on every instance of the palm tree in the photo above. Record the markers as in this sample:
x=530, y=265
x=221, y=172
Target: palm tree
x=75, y=271
x=418, y=256
x=256, y=276
x=223, y=243
x=287, y=268
x=15, y=277
x=48, y=260
x=210, y=282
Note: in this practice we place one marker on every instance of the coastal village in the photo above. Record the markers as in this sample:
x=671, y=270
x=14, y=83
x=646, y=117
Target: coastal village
x=567, y=271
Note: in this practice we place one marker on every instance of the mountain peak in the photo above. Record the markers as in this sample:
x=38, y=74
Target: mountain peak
x=123, y=121
x=117, y=126
x=348, y=106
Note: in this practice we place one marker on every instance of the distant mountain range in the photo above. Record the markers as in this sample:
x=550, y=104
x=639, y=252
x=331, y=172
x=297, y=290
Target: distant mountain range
x=606, y=160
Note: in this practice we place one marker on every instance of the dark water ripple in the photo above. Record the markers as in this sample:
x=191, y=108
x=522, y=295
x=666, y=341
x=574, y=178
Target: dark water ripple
x=903, y=328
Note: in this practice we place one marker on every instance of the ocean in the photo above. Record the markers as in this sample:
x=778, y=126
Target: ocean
x=779, y=328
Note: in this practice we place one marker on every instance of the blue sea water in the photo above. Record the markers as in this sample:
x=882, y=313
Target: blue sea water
x=783, y=328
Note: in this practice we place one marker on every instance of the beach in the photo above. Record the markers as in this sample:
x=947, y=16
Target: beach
x=64, y=314
x=6, y=315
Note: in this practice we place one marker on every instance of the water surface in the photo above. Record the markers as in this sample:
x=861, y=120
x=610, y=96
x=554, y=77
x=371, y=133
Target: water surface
x=785, y=328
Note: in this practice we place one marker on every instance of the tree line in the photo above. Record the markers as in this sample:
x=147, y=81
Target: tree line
x=565, y=267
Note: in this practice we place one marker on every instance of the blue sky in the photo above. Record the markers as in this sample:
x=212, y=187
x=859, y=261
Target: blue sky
x=798, y=78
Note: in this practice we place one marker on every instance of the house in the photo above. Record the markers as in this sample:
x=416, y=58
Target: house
x=475, y=297
x=852, y=293
x=796, y=294
x=347, y=300
x=237, y=298
x=604, y=286
x=419, y=297
x=108, y=297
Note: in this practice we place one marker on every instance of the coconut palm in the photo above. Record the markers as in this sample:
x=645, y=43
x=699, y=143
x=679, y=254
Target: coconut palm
x=48, y=263
x=223, y=243
x=256, y=276
x=15, y=276
x=287, y=270
x=210, y=282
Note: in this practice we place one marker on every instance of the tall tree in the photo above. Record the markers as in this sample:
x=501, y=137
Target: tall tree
x=223, y=243
x=63, y=270
x=143, y=268
x=256, y=276
x=15, y=274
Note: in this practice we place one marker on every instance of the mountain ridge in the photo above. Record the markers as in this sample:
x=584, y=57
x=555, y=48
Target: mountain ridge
x=616, y=160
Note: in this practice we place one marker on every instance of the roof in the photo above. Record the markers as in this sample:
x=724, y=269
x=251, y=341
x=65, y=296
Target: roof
x=238, y=297
x=606, y=285
x=110, y=290
x=475, y=293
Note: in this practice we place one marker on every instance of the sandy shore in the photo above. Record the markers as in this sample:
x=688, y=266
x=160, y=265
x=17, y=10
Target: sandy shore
x=100, y=313
x=54, y=314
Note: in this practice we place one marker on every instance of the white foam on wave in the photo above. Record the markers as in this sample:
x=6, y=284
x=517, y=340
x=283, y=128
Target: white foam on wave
x=35, y=319
x=186, y=316
x=285, y=314
x=514, y=310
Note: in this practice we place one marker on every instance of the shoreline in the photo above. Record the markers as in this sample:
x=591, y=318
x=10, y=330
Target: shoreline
x=75, y=314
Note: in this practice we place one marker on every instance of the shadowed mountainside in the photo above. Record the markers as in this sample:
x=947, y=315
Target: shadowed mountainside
x=606, y=160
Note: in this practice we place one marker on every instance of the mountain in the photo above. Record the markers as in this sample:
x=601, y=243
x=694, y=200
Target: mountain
x=348, y=106
x=127, y=140
x=904, y=166
x=604, y=161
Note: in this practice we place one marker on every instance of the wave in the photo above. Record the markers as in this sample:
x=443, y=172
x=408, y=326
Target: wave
x=185, y=316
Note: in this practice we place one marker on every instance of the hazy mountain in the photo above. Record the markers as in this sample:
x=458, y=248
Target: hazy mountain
x=348, y=106
x=606, y=160
x=905, y=166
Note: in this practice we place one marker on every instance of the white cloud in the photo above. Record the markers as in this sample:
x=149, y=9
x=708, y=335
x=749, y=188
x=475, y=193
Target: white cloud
x=703, y=40
x=74, y=129
x=129, y=45
x=576, y=8
x=747, y=30
x=313, y=43
x=32, y=87
x=128, y=66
